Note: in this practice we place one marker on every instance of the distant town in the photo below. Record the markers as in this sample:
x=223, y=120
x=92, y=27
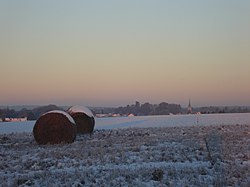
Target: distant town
x=24, y=113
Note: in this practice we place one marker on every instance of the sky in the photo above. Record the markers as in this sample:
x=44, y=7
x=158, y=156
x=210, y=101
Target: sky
x=112, y=53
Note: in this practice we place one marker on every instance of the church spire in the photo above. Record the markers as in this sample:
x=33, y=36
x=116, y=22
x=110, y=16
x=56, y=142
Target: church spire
x=189, y=107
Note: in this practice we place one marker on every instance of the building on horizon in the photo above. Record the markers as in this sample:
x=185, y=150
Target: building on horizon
x=189, y=109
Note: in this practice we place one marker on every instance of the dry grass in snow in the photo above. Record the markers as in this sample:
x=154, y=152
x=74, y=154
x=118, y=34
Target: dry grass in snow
x=171, y=156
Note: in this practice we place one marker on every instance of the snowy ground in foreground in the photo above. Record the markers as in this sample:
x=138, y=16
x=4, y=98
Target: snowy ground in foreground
x=169, y=156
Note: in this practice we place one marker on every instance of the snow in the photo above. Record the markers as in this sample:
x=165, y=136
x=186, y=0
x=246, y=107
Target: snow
x=63, y=113
x=144, y=121
x=82, y=109
x=215, y=155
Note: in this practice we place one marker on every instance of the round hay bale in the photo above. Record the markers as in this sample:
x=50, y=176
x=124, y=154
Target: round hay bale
x=84, y=119
x=55, y=127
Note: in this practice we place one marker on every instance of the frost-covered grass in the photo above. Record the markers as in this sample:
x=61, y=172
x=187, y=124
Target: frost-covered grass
x=169, y=156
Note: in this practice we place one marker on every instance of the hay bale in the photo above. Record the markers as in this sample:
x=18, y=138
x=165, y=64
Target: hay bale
x=84, y=119
x=55, y=127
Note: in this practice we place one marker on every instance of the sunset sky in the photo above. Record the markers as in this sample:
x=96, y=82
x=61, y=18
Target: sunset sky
x=111, y=53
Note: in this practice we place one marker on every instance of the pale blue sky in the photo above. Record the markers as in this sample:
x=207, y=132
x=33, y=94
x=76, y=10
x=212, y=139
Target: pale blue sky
x=106, y=53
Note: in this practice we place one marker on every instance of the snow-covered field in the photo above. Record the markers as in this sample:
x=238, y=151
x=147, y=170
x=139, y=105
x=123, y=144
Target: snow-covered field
x=212, y=155
x=144, y=121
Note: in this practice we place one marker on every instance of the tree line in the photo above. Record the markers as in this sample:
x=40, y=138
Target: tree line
x=149, y=109
x=136, y=109
x=30, y=114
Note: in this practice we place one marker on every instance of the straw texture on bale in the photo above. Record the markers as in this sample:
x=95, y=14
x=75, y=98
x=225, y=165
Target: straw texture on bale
x=54, y=127
x=84, y=119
